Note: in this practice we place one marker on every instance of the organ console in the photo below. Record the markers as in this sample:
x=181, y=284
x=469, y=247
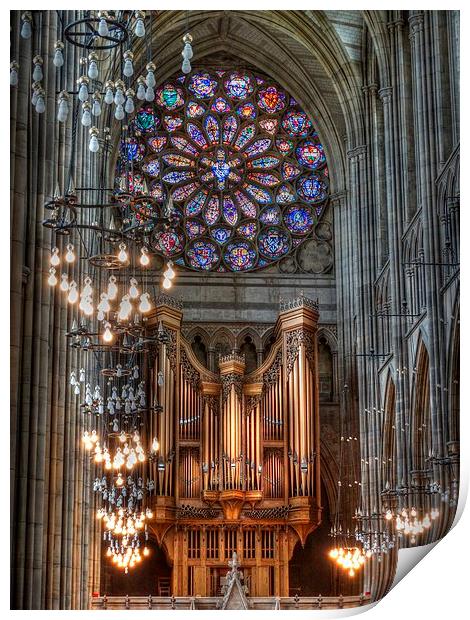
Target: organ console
x=238, y=465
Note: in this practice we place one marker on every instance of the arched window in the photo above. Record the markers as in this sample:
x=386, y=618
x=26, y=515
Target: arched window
x=268, y=346
x=222, y=347
x=225, y=171
x=248, y=349
x=325, y=370
x=199, y=349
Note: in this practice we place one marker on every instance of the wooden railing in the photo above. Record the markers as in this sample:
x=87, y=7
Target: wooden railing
x=187, y=602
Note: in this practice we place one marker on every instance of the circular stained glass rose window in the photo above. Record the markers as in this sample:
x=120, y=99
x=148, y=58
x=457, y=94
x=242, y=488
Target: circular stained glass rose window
x=240, y=161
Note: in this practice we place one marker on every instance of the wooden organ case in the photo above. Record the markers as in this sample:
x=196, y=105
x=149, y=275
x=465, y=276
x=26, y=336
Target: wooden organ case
x=238, y=465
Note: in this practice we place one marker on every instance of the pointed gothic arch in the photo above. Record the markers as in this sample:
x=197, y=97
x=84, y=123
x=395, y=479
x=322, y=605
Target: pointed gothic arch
x=421, y=414
x=389, y=438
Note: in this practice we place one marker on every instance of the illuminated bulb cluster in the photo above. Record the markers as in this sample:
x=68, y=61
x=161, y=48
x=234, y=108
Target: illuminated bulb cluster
x=55, y=261
x=125, y=556
x=86, y=305
x=122, y=532
x=129, y=455
x=168, y=275
x=350, y=559
x=408, y=523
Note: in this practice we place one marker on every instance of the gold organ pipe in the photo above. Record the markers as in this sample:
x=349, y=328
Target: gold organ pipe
x=308, y=412
x=257, y=446
x=254, y=456
x=165, y=419
x=216, y=451
x=311, y=420
x=302, y=418
x=296, y=425
x=238, y=436
x=271, y=414
x=290, y=415
x=207, y=445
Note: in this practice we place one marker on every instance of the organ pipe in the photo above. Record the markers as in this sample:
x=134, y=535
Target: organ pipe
x=231, y=441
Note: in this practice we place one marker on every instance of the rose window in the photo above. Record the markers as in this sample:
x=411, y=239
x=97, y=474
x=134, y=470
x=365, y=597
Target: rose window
x=235, y=160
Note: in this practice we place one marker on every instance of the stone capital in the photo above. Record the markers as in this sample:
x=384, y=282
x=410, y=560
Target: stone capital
x=386, y=94
x=416, y=22
x=356, y=153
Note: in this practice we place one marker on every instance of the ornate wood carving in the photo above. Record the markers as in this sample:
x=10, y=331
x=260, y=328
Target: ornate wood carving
x=294, y=340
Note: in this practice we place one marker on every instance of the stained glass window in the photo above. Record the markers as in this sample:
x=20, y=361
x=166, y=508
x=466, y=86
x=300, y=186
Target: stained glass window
x=240, y=160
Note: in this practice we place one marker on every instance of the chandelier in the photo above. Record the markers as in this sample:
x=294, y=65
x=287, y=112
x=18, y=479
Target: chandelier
x=101, y=262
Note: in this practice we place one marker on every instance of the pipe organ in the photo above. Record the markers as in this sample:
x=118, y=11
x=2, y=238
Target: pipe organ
x=238, y=464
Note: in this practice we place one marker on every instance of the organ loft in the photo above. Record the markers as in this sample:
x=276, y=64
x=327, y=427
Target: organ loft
x=238, y=468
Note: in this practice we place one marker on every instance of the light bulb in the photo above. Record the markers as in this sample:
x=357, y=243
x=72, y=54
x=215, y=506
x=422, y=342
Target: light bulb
x=186, y=66
x=125, y=309
x=150, y=79
x=169, y=273
x=87, y=289
x=144, y=305
x=119, y=96
x=128, y=68
x=55, y=260
x=87, y=307
x=64, y=285
x=93, y=70
x=155, y=444
x=73, y=293
x=58, y=58
x=52, y=280
x=187, y=52
x=144, y=259
x=133, y=290
x=14, y=75
x=129, y=107
x=109, y=96
x=26, y=30
x=96, y=107
x=119, y=113
x=40, y=105
x=104, y=305
x=94, y=145
x=63, y=110
x=83, y=92
x=103, y=29
x=70, y=255
x=149, y=94
x=86, y=116
x=37, y=72
x=108, y=334
x=166, y=283
x=141, y=89
x=122, y=256
x=139, y=29
x=112, y=288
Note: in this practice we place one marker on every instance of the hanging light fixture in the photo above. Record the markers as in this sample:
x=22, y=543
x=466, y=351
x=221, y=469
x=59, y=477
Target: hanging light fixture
x=113, y=408
x=58, y=54
x=187, y=53
x=14, y=67
x=26, y=25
